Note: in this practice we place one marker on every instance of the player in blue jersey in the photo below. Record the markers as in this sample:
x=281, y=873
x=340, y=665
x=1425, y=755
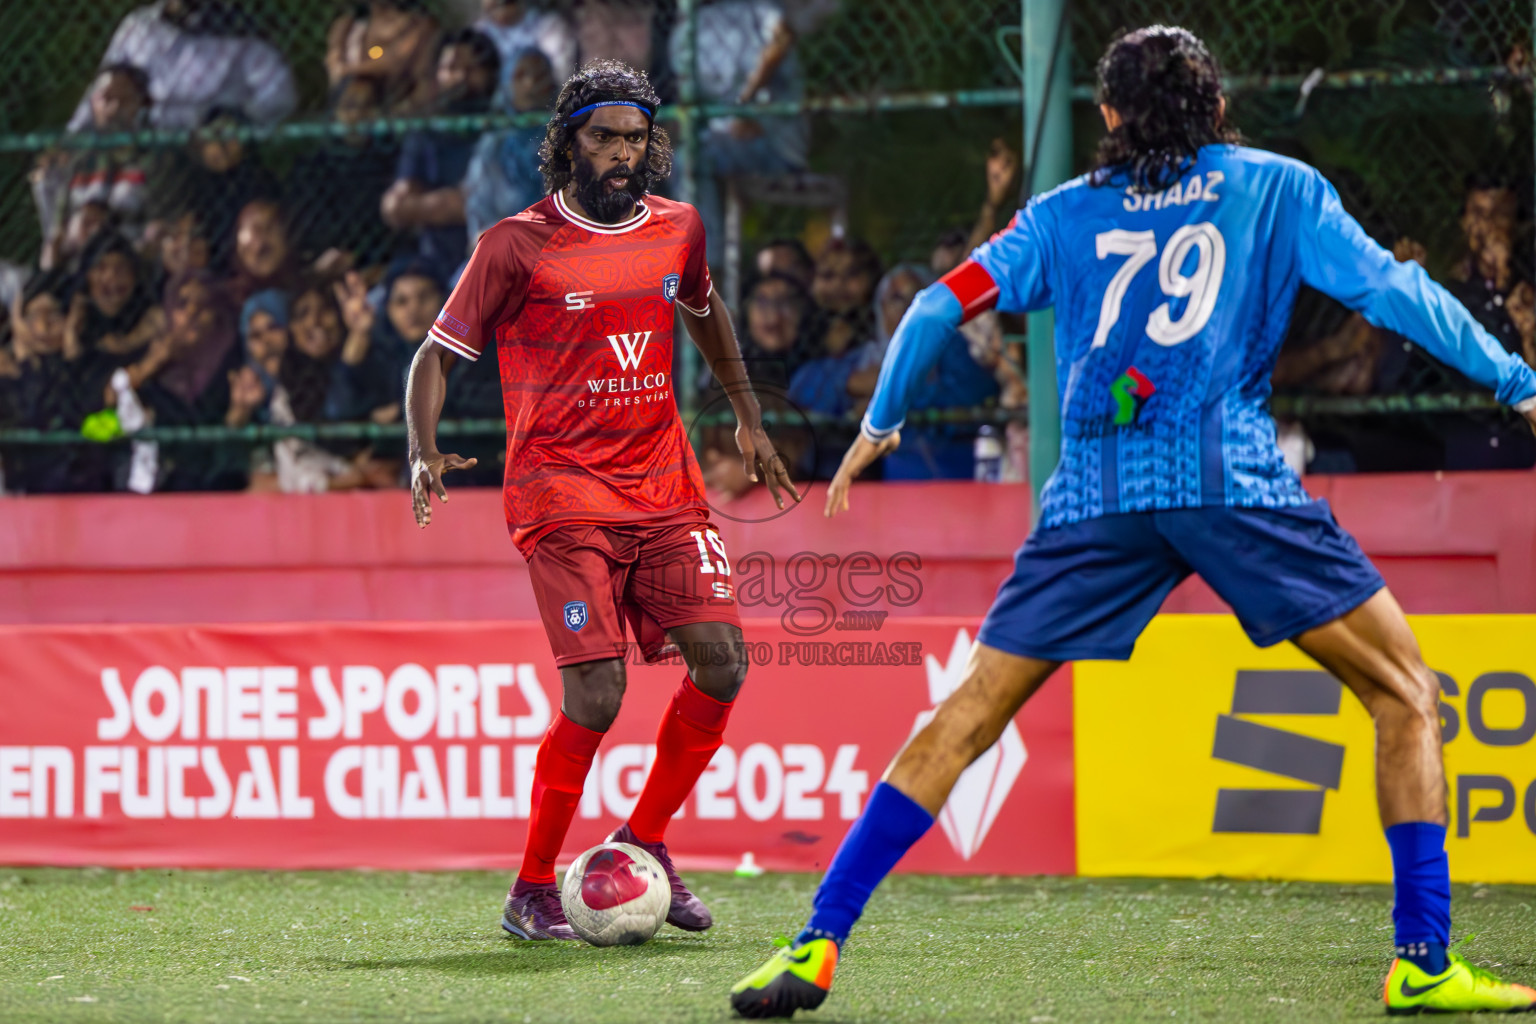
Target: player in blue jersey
x=1173, y=268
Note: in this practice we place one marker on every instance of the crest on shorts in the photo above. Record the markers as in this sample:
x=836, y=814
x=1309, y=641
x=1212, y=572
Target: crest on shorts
x=575, y=614
x=669, y=286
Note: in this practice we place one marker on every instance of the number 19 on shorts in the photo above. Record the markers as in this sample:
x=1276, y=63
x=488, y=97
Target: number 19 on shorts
x=714, y=562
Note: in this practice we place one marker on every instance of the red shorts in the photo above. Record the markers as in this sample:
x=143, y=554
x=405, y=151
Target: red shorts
x=590, y=580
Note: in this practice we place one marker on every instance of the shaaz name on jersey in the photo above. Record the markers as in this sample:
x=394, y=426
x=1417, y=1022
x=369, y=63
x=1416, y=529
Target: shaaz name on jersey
x=1179, y=193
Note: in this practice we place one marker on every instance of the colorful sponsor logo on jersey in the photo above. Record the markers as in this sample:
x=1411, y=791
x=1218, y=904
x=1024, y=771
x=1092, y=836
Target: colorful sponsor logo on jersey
x=444, y=320
x=1131, y=391
x=576, y=615
x=670, y=285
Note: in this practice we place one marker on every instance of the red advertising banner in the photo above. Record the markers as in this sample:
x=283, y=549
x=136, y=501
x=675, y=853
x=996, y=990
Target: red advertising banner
x=412, y=746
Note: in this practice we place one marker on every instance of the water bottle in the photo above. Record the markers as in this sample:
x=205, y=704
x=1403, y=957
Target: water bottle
x=989, y=455
x=144, y=459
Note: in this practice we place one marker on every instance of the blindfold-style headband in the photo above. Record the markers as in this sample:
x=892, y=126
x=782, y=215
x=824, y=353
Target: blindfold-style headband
x=571, y=119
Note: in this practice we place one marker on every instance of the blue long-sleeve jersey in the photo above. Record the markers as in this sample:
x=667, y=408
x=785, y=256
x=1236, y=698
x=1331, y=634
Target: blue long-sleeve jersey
x=1170, y=311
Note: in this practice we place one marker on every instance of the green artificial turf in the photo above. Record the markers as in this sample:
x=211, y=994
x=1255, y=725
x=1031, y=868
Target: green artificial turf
x=363, y=946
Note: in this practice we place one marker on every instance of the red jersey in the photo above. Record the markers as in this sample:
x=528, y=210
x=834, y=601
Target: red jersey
x=581, y=314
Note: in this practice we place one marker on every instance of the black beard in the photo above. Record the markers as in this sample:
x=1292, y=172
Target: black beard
x=605, y=205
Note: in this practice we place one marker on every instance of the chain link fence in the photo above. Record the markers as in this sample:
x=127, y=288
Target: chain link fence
x=852, y=113
x=879, y=125
x=925, y=62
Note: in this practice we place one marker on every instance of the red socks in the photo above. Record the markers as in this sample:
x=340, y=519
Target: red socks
x=690, y=733
x=559, y=775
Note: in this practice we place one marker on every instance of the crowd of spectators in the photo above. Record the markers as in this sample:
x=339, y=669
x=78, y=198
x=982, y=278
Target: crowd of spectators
x=218, y=284
x=815, y=331
x=1332, y=352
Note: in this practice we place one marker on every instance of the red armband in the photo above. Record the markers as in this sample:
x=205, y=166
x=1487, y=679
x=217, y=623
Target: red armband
x=973, y=286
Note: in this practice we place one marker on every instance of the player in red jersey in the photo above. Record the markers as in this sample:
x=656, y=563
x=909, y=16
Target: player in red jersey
x=603, y=493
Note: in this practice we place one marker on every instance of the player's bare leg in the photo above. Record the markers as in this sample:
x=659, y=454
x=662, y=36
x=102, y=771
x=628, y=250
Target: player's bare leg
x=1372, y=650
x=691, y=731
x=965, y=726
x=593, y=692
x=899, y=812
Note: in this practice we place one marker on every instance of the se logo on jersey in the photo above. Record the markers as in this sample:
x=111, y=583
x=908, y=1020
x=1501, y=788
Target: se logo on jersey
x=575, y=302
x=576, y=615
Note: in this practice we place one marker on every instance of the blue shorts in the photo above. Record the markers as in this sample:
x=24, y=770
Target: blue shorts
x=1085, y=591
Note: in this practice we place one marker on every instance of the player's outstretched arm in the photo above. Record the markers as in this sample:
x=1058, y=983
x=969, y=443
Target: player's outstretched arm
x=716, y=340
x=929, y=324
x=1337, y=257
x=425, y=390
x=859, y=456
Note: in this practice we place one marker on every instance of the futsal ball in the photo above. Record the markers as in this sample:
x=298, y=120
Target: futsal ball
x=616, y=895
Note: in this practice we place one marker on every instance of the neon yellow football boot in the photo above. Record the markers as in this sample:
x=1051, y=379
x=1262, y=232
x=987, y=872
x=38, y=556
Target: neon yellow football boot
x=797, y=978
x=1460, y=988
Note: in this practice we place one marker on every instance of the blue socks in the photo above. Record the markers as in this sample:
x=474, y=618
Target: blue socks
x=890, y=824
x=893, y=821
x=1422, y=877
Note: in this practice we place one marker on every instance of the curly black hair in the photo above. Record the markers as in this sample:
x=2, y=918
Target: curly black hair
x=1166, y=87
x=595, y=82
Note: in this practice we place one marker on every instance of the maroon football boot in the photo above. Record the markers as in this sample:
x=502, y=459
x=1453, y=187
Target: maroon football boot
x=688, y=912
x=533, y=911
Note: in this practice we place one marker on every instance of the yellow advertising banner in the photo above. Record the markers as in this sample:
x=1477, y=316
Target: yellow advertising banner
x=1204, y=755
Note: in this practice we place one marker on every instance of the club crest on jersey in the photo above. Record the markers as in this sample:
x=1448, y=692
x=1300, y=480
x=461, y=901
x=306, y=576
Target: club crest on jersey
x=670, y=285
x=575, y=615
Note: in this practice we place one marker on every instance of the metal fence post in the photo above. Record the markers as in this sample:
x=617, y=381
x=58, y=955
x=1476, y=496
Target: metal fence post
x=1048, y=148
x=688, y=126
